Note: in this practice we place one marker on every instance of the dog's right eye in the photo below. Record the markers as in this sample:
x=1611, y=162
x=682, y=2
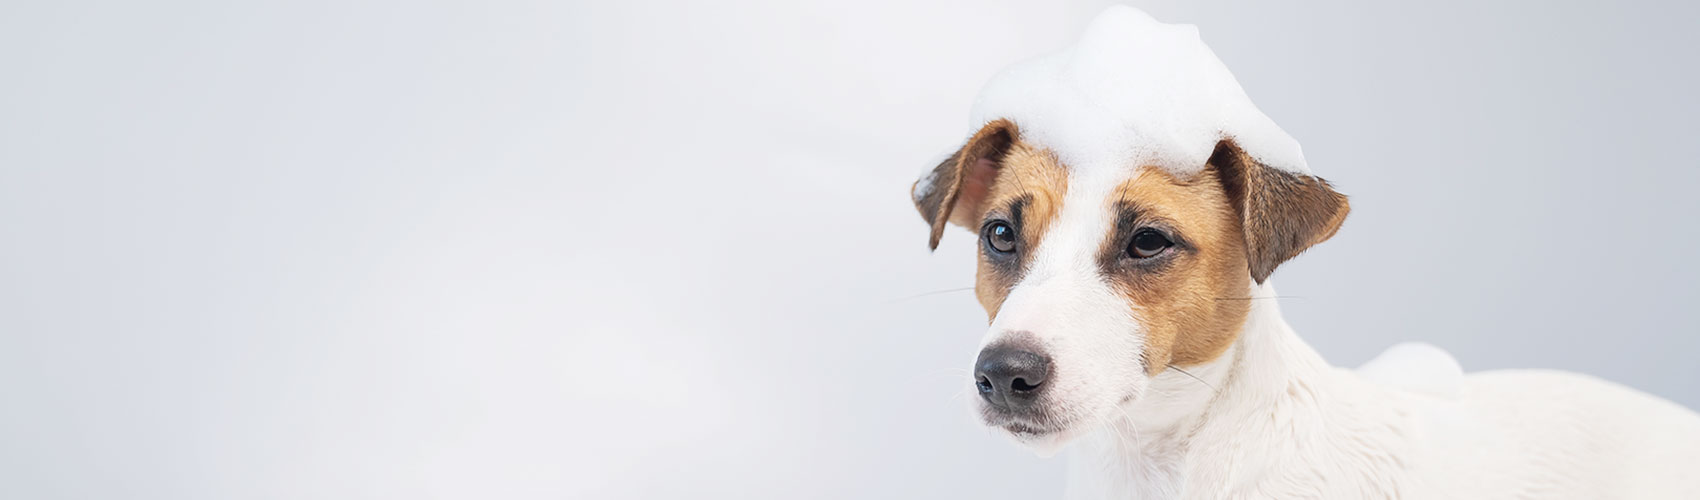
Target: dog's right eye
x=1000, y=237
x=1148, y=244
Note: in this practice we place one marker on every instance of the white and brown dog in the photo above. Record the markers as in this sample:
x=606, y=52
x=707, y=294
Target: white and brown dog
x=1126, y=292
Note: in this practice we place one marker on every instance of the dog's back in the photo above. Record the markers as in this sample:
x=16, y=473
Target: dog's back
x=1550, y=434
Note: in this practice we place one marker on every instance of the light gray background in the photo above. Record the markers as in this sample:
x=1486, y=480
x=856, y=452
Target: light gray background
x=633, y=250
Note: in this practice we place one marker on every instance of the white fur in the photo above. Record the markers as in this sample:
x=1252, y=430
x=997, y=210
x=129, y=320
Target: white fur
x=1276, y=421
x=1269, y=418
x=1064, y=302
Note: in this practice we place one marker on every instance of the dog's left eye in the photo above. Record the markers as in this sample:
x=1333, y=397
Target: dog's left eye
x=1000, y=237
x=1147, y=244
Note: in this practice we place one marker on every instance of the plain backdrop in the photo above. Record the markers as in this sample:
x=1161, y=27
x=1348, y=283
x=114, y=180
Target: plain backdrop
x=665, y=249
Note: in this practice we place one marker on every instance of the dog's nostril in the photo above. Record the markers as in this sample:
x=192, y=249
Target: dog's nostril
x=1011, y=374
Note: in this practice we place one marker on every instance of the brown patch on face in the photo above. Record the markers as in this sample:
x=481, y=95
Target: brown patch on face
x=1027, y=194
x=994, y=176
x=1231, y=225
x=1192, y=297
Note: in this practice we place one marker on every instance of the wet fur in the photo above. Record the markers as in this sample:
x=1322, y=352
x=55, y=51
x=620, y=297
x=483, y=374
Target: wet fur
x=1257, y=413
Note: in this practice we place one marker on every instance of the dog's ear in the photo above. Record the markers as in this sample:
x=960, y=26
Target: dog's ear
x=1283, y=212
x=956, y=190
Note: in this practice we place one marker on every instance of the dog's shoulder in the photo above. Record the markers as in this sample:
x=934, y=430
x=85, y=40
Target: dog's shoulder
x=1417, y=367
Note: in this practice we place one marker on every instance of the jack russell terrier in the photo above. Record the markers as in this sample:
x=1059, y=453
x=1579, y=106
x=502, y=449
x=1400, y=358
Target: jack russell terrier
x=1131, y=205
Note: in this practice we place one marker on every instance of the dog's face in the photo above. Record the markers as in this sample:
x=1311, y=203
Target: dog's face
x=1096, y=282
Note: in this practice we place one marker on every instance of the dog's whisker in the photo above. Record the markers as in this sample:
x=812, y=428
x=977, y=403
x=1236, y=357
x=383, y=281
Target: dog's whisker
x=1261, y=298
x=929, y=294
x=1114, y=429
x=1130, y=425
x=1194, y=377
x=953, y=373
x=958, y=394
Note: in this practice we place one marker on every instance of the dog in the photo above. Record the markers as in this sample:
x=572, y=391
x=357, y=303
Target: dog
x=1131, y=314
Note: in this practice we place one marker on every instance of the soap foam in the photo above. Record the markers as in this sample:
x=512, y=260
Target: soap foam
x=1133, y=92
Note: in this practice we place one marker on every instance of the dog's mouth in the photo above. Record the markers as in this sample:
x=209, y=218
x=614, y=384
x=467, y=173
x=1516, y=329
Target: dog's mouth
x=1042, y=430
x=1027, y=431
x=1044, y=436
x=1023, y=426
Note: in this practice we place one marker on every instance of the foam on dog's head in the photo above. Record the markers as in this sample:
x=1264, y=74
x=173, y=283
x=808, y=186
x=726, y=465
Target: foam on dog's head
x=1134, y=92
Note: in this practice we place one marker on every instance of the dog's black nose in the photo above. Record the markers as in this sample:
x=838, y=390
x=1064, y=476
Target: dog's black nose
x=1011, y=374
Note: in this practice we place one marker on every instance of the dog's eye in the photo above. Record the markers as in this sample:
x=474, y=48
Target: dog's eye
x=1000, y=237
x=1147, y=244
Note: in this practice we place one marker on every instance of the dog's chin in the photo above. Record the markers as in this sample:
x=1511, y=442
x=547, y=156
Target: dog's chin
x=1044, y=441
x=1050, y=438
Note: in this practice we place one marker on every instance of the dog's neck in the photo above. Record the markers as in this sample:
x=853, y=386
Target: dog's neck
x=1272, y=401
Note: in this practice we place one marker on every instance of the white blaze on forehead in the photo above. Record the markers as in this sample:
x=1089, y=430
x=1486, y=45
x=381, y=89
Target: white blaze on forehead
x=1063, y=290
x=1131, y=92
x=1092, y=333
x=1082, y=223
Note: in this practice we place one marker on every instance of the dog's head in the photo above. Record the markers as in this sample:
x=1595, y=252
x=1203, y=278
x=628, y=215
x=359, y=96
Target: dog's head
x=1097, y=281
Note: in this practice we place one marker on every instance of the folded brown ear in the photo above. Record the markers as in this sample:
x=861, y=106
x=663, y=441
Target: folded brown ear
x=955, y=191
x=1284, y=212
